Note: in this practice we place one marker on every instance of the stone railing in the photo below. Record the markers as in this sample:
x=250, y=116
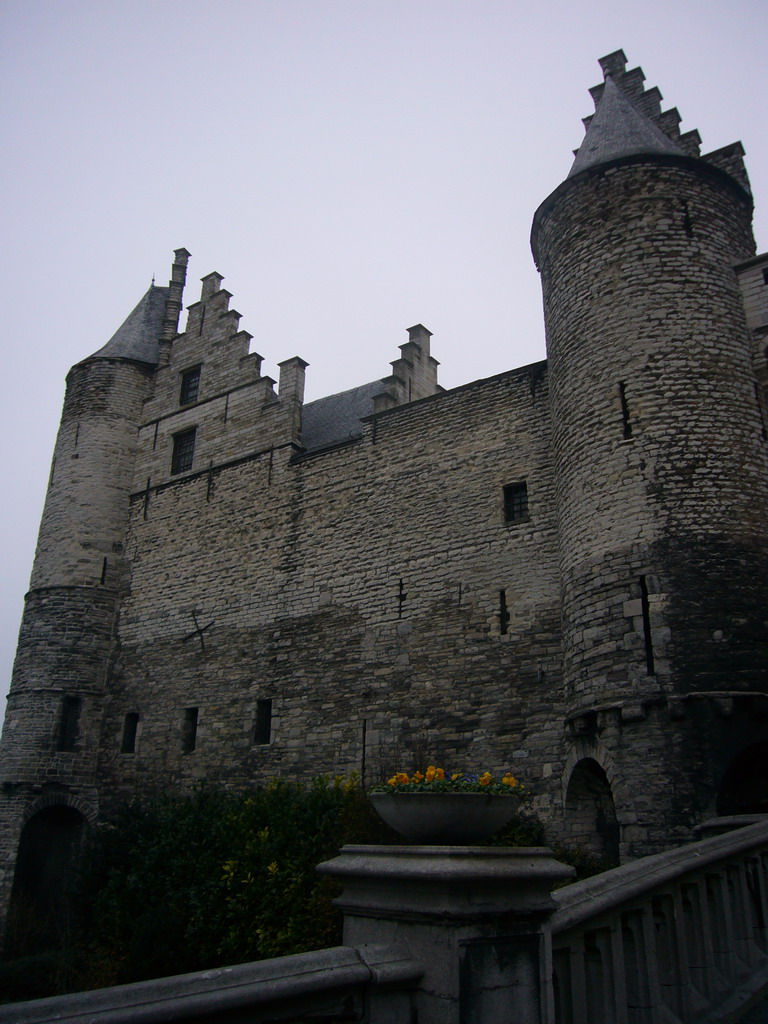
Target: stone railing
x=442, y=935
x=330, y=985
x=677, y=938
x=469, y=935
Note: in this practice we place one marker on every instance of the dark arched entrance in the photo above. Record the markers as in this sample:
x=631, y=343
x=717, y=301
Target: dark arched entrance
x=744, y=788
x=590, y=811
x=39, y=917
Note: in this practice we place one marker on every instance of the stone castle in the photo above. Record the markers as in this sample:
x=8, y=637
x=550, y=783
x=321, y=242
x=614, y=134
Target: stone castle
x=562, y=569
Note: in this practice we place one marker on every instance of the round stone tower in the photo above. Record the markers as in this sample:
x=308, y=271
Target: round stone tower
x=660, y=455
x=48, y=756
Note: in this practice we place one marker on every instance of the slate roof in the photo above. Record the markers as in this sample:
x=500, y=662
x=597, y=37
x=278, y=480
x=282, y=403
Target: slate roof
x=619, y=129
x=336, y=419
x=138, y=337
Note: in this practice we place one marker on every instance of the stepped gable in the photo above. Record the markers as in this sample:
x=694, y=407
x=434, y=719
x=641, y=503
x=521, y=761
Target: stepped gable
x=620, y=128
x=628, y=121
x=138, y=337
x=336, y=419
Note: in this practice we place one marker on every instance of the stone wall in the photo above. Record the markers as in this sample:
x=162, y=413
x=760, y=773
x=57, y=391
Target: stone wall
x=358, y=590
x=560, y=569
x=661, y=466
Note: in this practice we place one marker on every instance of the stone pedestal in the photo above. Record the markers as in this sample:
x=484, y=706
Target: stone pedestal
x=476, y=918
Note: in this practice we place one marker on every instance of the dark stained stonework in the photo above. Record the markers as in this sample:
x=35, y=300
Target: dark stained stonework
x=352, y=566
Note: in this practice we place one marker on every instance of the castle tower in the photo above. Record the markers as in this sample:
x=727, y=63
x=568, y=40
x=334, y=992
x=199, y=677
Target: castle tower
x=51, y=732
x=661, y=463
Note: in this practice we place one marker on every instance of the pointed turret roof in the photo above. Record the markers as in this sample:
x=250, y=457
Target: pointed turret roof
x=138, y=337
x=618, y=129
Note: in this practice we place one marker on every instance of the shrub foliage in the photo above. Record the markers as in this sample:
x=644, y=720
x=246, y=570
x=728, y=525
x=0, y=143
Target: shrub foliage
x=186, y=883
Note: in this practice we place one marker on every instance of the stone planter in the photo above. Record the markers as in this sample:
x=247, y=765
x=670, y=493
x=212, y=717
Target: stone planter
x=445, y=818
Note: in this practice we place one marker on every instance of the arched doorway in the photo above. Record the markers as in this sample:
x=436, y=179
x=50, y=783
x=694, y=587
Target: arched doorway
x=39, y=915
x=590, y=811
x=744, y=787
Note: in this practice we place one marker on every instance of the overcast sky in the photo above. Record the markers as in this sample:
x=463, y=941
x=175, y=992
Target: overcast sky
x=352, y=167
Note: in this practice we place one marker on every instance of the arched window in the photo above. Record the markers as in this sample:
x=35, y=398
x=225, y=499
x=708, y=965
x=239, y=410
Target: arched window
x=590, y=813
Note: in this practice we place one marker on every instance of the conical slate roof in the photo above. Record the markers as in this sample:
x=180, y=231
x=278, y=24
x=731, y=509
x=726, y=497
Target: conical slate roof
x=138, y=337
x=619, y=129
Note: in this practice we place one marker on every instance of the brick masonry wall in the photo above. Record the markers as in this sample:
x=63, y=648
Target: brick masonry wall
x=662, y=482
x=753, y=279
x=359, y=590
x=643, y=310
x=85, y=512
x=377, y=595
x=236, y=411
x=69, y=618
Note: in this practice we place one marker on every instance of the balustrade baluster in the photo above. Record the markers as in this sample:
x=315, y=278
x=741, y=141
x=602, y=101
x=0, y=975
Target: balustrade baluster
x=656, y=1014
x=693, y=1000
x=731, y=964
x=578, y=981
x=713, y=981
x=620, y=1015
x=668, y=953
x=746, y=919
x=599, y=974
x=758, y=887
x=563, y=989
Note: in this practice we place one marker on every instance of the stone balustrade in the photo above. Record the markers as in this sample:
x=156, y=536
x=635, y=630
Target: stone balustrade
x=472, y=935
x=326, y=985
x=677, y=938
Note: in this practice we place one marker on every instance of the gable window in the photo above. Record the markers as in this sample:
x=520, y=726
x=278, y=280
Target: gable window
x=69, y=723
x=190, y=386
x=183, y=451
x=516, y=502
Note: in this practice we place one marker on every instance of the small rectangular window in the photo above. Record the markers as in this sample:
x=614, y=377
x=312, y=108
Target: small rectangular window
x=647, y=634
x=189, y=730
x=183, y=451
x=625, y=417
x=190, y=386
x=503, y=613
x=130, y=727
x=516, y=502
x=69, y=723
x=263, y=730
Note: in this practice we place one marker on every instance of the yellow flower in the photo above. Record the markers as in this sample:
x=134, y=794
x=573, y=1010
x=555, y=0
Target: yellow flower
x=509, y=779
x=485, y=779
x=457, y=776
x=417, y=777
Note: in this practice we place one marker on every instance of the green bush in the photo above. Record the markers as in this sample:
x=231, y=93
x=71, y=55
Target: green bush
x=182, y=884
x=187, y=883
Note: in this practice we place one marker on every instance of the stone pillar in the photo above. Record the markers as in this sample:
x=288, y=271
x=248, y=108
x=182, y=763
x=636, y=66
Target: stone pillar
x=291, y=392
x=476, y=918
